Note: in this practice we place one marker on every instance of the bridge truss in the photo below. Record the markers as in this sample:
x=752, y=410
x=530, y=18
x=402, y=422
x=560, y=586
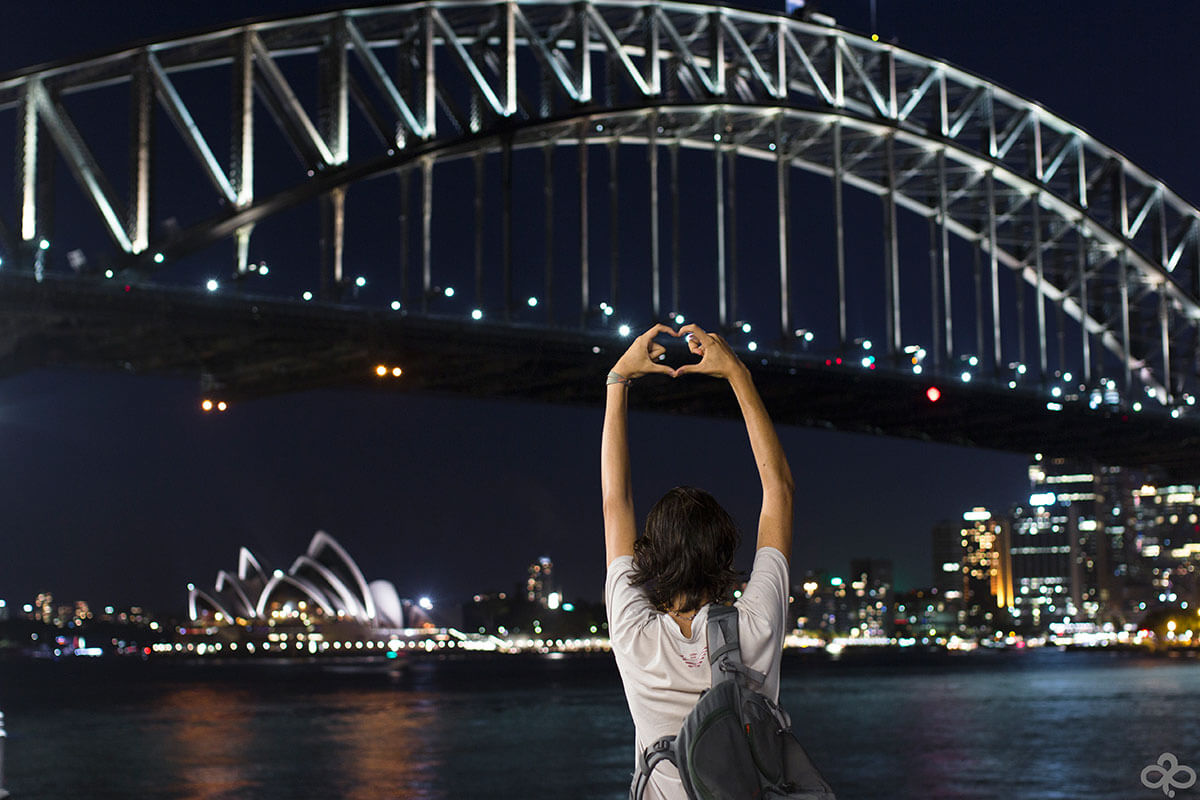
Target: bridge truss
x=1007, y=247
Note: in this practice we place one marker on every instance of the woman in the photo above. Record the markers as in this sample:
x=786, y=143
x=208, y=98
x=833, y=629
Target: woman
x=659, y=585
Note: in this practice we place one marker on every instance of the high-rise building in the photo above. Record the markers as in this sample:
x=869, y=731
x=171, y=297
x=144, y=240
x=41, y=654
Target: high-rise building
x=1076, y=542
x=539, y=585
x=986, y=576
x=824, y=605
x=872, y=596
x=947, y=560
x=43, y=608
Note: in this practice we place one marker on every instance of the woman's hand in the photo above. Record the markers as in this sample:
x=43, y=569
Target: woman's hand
x=643, y=354
x=716, y=356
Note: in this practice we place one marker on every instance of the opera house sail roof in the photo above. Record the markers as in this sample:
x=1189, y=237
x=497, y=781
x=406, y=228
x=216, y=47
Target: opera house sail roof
x=324, y=581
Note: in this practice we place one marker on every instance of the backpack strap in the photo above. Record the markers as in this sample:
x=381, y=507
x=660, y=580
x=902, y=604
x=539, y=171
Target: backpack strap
x=655, y=754
x=724, y=648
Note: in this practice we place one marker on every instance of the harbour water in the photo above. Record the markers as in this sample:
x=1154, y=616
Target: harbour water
x=1037, y=725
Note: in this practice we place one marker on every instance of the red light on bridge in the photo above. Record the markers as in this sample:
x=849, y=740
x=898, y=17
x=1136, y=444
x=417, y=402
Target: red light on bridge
x=933, y=393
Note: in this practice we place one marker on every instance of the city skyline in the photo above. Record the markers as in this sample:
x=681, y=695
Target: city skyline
x=119, y=478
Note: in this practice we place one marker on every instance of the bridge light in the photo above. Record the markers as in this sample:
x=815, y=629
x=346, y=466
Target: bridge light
x=745, y=327
x=916, y=369
x=262, y=268
x=395, y=305
x=360, y=281
x=448, y=291
x=973, y=361
x=716, y=137
x=1137, y=406
x=933, y=393
x=476, y=314
x=771, y=146
x=159, y=258
x=425, y=603
x=532, y=301
x=1056, y=391
x=752, y=346
x=866, y=344
x=222, y=405
x=397, y=372
x=1067, y=377
x=44, y=244
x=623, y=330
x=306, y=296
x=381, y=370
x=679, y=318
x=206, y=404
x=212, y=285
x=966, y=377
x=108, y=273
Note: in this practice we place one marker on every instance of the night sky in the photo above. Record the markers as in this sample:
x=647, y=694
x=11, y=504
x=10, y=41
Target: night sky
x=115, y=488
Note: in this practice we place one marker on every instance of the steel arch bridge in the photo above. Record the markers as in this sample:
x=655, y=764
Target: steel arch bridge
x=1046, y=284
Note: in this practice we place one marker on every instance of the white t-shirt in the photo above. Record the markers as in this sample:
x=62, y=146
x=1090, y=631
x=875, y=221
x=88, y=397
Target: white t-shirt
x=664, y=672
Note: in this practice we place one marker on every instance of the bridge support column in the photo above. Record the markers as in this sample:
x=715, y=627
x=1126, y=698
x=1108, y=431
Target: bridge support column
x=719, y=200
x=944, y=248
x=1039, y=265
x=891, y=255
x=675, y=223
x=584, y=298
x=652, y=156
x=506, y=222
x=426, y=232
x=731, y=166
x=1081, y=262
x=614, y=225
x=839, y=229
x=241, y=249
x=783, y=199
x=994, y=262
x=404, y=222
x=1126, y=356
x=333, y=239
x=548, y=197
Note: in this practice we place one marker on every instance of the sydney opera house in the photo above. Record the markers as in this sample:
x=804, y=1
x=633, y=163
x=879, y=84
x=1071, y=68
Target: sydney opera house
x=323, y=585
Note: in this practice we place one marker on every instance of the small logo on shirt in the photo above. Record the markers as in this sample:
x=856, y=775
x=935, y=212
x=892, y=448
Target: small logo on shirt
x=696, y=658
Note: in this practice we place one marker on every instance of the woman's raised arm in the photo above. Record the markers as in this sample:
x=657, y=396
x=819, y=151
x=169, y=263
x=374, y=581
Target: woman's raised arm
x=718, y=360
x=620, y=526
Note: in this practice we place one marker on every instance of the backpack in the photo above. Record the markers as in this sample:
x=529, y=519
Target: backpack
x=735, y=744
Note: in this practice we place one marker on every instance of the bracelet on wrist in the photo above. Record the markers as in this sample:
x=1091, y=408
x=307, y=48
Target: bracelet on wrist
x=616, y=377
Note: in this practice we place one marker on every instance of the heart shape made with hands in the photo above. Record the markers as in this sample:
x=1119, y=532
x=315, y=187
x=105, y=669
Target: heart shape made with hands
x=715, y=355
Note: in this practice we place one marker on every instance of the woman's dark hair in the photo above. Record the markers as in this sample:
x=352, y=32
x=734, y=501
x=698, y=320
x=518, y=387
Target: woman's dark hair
x=686, y=552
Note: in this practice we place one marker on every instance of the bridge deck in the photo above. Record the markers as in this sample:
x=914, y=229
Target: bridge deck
x=256, y=346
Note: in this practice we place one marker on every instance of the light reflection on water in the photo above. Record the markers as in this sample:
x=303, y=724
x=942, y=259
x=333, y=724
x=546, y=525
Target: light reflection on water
x=1019, y=725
